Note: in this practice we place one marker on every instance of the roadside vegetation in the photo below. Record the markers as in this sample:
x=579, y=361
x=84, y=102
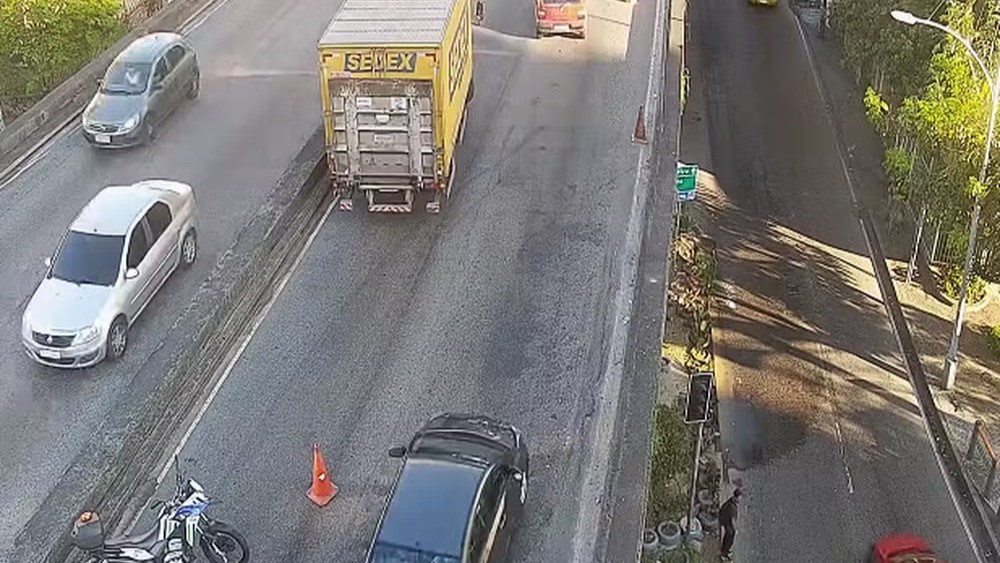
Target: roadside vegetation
x=929, y=101
x=47, y=41
x=687, y=345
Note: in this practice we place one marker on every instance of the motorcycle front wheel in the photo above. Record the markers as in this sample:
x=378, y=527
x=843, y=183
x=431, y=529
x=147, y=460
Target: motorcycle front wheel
x=221, y=543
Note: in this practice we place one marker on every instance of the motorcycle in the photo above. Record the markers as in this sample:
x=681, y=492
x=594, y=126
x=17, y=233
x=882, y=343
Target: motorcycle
x=182, y=527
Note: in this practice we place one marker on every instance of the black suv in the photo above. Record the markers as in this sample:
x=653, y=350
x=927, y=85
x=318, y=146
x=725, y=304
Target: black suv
x=458, y=496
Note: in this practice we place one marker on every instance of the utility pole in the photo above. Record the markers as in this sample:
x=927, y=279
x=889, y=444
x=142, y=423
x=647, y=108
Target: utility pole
x=951, y=361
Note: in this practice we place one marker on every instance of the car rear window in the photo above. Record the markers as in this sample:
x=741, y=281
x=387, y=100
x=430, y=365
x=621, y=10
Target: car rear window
x=388, y=553
x=428, y=512
x=86, y=258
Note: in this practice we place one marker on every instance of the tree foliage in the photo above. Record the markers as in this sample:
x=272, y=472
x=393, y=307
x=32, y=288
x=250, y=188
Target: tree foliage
x=930, y=101
x=46, y=41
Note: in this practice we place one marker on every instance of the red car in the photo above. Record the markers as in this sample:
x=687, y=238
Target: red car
x=561, y=17
x=904, y=548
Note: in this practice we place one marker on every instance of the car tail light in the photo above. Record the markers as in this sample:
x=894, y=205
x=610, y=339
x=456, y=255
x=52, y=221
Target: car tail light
x=541, y=13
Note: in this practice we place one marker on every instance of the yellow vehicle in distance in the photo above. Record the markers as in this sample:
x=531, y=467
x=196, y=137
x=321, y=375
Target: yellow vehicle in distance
x=769, y=3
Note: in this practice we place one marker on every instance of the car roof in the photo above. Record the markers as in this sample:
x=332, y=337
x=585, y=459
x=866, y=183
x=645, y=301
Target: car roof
x=146, y=48
x=431, y=505
x=115, y=208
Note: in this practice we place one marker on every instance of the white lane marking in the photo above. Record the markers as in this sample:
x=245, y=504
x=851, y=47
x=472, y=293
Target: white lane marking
x=207, y=11
x=955, y=497
x=24, y=167
x=245, y=342
x=36, y=152
x=596, y=467
x=843, y=457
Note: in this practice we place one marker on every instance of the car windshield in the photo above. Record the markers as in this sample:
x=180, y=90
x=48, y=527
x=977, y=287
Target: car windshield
x=389, y=553
x=90, y=259
x=125, y=77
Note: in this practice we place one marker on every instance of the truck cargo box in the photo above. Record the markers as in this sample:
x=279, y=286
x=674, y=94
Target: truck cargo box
x=395, y=79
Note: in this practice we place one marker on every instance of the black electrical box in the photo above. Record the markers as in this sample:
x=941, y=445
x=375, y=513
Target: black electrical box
x=699, y=398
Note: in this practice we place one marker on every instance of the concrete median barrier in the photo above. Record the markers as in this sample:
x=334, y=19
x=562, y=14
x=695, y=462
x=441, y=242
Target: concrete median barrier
x=116, y=471
x=70, y=97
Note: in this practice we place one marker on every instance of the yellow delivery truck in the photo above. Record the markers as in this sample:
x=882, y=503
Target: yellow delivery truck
x=396, y=80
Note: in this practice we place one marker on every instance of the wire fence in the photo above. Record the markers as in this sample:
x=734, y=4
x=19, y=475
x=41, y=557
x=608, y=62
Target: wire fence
x=981, y=464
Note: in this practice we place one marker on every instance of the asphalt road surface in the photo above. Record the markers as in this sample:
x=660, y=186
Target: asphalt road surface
x=499, y=306
x=817, y=414
x=258, y=105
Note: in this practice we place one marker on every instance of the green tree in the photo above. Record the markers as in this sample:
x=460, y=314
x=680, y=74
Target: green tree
x=929, y=100
x=46, y=41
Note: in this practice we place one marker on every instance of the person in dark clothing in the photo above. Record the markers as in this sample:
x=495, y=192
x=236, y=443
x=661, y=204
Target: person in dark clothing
x=727, y=519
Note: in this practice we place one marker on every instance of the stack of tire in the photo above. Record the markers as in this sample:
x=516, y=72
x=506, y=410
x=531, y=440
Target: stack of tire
x=664, y=542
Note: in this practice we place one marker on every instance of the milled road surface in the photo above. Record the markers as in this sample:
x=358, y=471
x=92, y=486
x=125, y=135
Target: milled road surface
x=258, y=105
x=497, y=306
x=817, y=414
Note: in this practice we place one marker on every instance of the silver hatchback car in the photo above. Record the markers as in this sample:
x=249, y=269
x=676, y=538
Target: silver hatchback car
x=144, y=84
x=117, y=254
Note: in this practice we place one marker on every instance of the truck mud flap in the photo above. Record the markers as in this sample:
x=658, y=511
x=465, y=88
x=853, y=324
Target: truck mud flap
x=390, y=201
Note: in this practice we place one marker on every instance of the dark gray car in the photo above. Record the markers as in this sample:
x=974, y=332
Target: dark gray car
x=144, y=84
x=459, y=495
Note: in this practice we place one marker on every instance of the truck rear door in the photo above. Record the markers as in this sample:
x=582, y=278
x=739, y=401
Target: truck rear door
x=384, y=132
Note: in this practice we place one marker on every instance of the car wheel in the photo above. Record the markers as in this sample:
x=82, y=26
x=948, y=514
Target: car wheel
x=189, y=249
x=117, y=339
x=195, y=87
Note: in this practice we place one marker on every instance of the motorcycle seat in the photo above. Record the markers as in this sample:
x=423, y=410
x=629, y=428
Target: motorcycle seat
x=145, y=540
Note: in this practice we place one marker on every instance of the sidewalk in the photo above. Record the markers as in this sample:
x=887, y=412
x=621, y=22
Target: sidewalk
x=929, y=313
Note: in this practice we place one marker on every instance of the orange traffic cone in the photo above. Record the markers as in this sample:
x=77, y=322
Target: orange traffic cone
x=323, y=490
x=639, y=136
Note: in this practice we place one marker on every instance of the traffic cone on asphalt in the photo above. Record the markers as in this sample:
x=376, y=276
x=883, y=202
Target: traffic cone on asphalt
x=323, y=490
x=639, y=135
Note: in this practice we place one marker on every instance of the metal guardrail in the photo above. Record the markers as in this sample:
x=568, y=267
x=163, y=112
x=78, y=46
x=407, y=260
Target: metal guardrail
x=982, y=465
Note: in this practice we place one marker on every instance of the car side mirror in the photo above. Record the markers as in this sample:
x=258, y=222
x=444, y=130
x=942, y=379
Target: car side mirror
x=480, y=11
x=131, y=273
x=398, y=451
x=100, y=82
x=48, y=261
x=157, y=86
x=518, y=476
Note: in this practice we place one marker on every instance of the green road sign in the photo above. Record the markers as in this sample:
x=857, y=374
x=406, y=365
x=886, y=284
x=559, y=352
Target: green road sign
x=686, y=181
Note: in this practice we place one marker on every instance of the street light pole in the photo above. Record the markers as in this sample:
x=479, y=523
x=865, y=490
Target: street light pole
x=951, y=360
